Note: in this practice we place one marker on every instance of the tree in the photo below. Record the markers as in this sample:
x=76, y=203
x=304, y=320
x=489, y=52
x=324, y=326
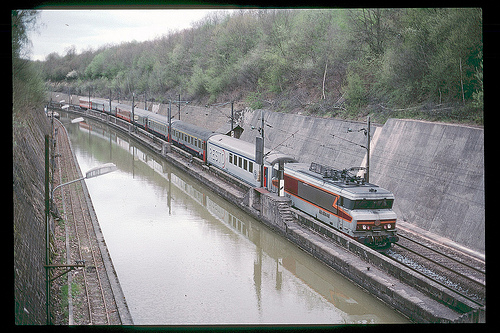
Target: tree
x=372, y=27
x=28, y=87
x=22, y=22
x=457, y=38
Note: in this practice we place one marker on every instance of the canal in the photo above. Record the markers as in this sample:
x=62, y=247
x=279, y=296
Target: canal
x=185, y=256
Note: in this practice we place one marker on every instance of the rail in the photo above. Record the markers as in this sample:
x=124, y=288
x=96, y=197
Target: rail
x=447, y=271
x=94, y=307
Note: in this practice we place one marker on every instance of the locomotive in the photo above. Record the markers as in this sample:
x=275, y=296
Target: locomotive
x=360, y=210
x=337, y=198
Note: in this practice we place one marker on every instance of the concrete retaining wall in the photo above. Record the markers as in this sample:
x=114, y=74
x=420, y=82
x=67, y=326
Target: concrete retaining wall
x=436, y=172
x=309, y=139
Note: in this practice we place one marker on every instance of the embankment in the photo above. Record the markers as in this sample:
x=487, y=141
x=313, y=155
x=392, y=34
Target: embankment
x=436, y=172
x=28, y=175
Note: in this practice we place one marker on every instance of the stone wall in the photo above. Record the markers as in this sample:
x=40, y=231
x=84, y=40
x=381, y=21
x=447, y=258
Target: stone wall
x=28, y=147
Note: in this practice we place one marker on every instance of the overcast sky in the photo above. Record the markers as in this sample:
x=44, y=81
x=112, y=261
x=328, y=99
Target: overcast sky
x=58, y=30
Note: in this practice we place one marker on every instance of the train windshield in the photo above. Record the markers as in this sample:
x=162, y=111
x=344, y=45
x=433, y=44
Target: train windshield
x=368, y=204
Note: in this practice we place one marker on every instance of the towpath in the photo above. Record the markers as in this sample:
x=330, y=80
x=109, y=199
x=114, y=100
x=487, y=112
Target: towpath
x=85, y=296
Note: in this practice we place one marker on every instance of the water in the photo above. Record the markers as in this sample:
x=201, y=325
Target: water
x=185, y=256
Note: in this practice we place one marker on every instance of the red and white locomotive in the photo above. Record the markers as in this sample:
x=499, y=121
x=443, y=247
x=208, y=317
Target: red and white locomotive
x=343, y=201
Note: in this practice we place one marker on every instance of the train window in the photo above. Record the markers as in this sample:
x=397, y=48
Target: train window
x=250, y=167
x=245, y=164
x=318, y=197
x=347, y=203
x=231, y=158
x=239, y=161
x=373, y=204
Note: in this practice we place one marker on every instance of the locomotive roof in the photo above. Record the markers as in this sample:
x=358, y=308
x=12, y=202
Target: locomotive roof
x=194, y=130
x=357, y=189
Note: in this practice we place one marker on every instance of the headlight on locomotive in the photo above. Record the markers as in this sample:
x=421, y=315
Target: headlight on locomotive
x=367, y=225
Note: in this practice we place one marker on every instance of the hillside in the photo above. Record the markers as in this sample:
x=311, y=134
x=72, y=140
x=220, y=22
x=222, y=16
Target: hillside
x=413, y=63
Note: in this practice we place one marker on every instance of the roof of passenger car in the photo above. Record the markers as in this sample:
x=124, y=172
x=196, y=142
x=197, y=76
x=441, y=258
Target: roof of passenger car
x=199, y=132
x=236, y=145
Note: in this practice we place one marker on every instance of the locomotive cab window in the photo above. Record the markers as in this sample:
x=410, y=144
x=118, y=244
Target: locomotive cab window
x=367, y=204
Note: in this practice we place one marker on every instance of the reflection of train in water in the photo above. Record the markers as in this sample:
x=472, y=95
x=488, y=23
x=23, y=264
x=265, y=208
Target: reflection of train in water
x=360, y=210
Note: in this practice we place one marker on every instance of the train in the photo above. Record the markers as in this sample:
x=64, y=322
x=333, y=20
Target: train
x=338, y=198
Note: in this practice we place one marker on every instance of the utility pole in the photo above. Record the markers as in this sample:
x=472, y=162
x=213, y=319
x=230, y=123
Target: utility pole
x=366, y=131
x=133, y=103
x=178, y=102
x=232, y=119
x=47, y=231
x=368, y=150
x=262, y=184
x=169, y=121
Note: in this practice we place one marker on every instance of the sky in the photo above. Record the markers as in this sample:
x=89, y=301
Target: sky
x=58, y=30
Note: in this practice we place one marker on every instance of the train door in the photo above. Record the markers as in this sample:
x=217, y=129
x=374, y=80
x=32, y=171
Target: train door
x=277, y=182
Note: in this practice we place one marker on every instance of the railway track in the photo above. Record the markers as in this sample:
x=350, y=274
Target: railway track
x=449, y=268
x=92, y=296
